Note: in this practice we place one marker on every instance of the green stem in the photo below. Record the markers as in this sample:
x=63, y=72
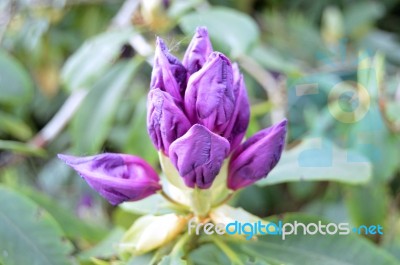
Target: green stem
x=168, y=198
x=177, y=250
x=225, y=200
x=200, y=201
x=227, y=251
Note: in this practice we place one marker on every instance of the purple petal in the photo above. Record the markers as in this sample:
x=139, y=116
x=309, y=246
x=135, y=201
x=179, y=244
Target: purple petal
x=168, y=72
x=166, y=122
x=198, y=155
x=198, y=51
x=256, y=157
x=239, y=122
x=209, y=98
x=116, y=177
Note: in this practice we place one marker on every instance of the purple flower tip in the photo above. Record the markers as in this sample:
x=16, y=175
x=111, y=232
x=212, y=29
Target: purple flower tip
x=168, y=72
x=209, y=98
x=165, y=120
x=116, y=177
x=257, y=156
x=198, y=51
x=239, y=121
x=198, y=155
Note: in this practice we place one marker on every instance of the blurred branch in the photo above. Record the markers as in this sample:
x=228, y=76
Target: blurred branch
x=142, y=47
x=124, y=15
x=71, y=105
x=275, y=89
x=74, y=101
x=60, y=120
x=123, y=19
x=60, y=3
x=393, y=127
x=7, y=11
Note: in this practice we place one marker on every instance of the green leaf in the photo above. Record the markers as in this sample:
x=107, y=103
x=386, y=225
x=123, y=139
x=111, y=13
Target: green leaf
x=294, y=35
x=137, y=133
x=69, y=223
x=106, y=248
x=230, y=30
x=372, y=213
x=172, y=260
x=95, y=117
x=371, y=138
x=175, y=257
x=15, y=84
x=155, y=204
x=179, y=8
x=28, y=234
x=21, y=148
x=140, y=260
x=210, y=254
x=394, y=248
x=359, y=18
x=92, y=60
x=319, y=160
x=14, y=126
x=273, y=61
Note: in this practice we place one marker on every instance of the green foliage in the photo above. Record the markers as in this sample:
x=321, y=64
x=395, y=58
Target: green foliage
x=318, y=161
x=73, y=228
x=296, y=249
x=21, y=148
x=94, y=119
x=226, y=28
x=15, y=84
x=29, y=235
x=86, y=66
x=74, y=77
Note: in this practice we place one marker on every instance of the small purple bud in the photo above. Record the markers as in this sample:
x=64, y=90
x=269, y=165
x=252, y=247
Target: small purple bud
x=116, y=177
x=239, y=122
x=198, y=51
x=209, y=98
x=168, y=72
x=166, y=122
x=257, y=156
x=198, y=155
x=166, y=3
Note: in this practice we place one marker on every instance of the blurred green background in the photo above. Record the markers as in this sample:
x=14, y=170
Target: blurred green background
x=74, y=75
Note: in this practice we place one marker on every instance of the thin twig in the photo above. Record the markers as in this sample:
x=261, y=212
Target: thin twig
x=168, y=198
x=274, y=89
x=7, y=12
x=225, y=200
x=393, y=127
x=63, y=116
x=123, y=18
x=60, y=120
x=142, y=47
x=72, y=104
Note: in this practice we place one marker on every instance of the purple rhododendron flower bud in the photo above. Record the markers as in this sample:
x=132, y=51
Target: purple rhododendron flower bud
x=198, y=51
x=257, y=156
x=165, y=120
x=198, y=155
x=116, y=177
x=239, y=122
x=168, y=72
x=209, y=98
